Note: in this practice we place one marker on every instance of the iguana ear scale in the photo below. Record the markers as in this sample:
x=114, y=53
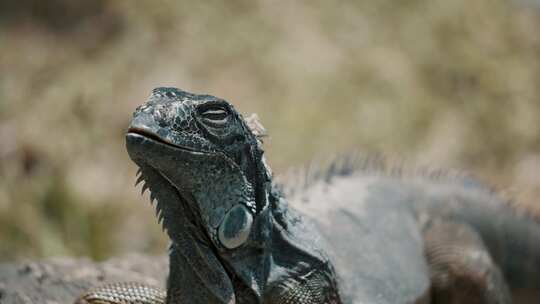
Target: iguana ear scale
x=235, y=228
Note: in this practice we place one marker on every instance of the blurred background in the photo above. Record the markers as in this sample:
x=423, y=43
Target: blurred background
x=437, y=83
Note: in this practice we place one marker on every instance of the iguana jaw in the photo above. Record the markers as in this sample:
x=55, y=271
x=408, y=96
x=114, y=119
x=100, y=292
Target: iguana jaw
x=210, y=179
x=149, y=135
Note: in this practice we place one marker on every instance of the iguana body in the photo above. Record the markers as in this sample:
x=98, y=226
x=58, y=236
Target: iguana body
x=360, y=236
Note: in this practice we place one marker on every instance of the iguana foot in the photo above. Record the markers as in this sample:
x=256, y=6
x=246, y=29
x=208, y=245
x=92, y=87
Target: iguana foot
x=461, y=268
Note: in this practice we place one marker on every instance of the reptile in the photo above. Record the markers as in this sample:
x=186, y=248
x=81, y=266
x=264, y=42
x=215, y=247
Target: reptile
x=351, y=234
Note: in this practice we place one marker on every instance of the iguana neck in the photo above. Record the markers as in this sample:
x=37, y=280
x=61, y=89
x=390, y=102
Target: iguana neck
x=249, y=268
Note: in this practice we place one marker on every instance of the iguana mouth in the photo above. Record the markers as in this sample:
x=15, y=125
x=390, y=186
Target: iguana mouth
x=154, y=137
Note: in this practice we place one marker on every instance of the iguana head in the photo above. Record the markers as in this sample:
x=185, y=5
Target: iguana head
x=204, y=166
x=233, y=238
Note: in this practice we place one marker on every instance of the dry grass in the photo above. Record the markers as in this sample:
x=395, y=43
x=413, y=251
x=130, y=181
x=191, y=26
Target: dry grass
x=440, y=83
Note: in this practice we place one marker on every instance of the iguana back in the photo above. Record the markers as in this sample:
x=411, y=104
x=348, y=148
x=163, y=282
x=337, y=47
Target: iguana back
x=373, y=222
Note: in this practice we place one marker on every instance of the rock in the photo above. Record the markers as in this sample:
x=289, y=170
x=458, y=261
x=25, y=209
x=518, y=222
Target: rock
x=62, y=280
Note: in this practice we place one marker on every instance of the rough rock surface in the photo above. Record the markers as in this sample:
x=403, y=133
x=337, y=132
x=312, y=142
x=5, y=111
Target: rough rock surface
x=62, y=280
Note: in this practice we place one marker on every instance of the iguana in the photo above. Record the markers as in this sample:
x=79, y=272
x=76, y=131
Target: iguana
x=354, y=236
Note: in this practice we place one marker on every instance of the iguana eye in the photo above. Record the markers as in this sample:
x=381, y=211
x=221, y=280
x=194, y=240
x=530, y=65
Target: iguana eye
x=217, y=115
x=236, y=226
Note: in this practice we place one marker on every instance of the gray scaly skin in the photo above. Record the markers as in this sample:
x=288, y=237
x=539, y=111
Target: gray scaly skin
x=363, y=237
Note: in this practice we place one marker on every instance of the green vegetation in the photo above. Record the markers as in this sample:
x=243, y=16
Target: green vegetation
x=436, y=83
